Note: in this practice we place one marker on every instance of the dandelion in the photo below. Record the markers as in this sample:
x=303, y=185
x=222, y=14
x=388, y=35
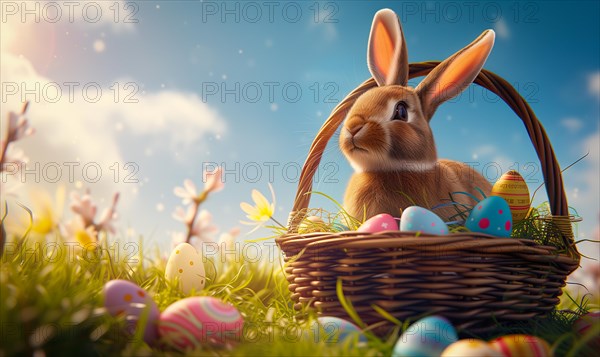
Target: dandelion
x=262, y=210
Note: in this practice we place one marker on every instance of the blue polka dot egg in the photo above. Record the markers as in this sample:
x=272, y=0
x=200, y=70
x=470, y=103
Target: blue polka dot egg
x=428, y=337
x=491, y=216
x=331, y=329
x=423, y=221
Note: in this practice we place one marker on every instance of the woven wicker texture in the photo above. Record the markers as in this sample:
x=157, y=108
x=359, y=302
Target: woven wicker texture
x=472, y=279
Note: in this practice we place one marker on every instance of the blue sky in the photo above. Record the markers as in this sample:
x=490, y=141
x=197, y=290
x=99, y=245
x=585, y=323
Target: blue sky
x=178, y=50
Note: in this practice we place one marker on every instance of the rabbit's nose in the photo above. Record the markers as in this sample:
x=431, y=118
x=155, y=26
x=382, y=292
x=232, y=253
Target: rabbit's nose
x=355, y=129
x=354, y=125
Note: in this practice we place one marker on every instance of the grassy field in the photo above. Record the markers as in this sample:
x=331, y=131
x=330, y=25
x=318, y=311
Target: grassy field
x=51, y=302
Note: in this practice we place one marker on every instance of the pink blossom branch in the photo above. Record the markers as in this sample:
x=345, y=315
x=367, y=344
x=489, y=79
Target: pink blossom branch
x=196, y=206
x=10, y=138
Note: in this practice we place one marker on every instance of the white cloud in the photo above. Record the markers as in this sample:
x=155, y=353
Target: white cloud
x=594, y=84
x=70, y=131
x=572, y=124
x=501, y=29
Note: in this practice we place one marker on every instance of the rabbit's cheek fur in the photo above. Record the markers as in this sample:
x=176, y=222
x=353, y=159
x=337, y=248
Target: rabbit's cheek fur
x=412, y=142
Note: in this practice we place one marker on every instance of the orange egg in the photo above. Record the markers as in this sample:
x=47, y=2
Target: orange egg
x=521, y=346
x=513, y=188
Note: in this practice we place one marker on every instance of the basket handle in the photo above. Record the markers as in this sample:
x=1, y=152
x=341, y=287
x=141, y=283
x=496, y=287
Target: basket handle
x=492, y=82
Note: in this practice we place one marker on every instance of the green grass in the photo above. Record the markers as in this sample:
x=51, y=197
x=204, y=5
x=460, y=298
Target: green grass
x=54, y=304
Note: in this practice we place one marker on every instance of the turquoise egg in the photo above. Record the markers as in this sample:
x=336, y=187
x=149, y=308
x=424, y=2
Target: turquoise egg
x=491, y=216
x=331, y=329
x=423, y=221
x=428, y=337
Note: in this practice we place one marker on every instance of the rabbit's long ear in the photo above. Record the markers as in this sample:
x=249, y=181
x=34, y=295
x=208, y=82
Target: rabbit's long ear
x=386, y=56
x=455, y=74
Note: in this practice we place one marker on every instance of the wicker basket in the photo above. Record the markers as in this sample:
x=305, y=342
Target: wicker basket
x=472, y=279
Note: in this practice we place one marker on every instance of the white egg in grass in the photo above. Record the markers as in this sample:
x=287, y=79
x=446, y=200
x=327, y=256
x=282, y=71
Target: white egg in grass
x=186, y=268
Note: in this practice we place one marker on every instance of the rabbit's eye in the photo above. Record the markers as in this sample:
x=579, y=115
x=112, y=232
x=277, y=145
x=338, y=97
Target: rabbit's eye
x=400, y=112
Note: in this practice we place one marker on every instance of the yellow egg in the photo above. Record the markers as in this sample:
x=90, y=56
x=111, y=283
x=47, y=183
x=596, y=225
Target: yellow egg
x=521, y=346
x=513, y=188
x=470, y=348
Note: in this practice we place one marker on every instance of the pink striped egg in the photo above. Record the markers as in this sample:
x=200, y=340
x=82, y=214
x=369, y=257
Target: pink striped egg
x=200, y=320
x=521, y=346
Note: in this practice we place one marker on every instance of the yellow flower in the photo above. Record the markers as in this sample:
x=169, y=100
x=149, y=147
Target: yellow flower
x=46, y=213
x=262, y=210
x=87, y=236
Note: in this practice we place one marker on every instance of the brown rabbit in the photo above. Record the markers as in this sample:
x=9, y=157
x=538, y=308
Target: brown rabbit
x=386, y=135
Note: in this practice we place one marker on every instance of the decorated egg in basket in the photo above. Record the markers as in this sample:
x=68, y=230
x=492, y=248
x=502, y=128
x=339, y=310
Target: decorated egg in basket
x=512, y=187
x=379, y=223
x=420, y=220
x=312, y=224
x=491, y=216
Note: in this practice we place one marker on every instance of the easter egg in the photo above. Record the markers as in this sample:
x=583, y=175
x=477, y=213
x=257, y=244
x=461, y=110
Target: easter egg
x=339, y=227
x=427, y=337
x=512, y=187
x=521, y=346
x=199, y=320
x=379, y=223
x=583, y=324
x=124, y=298
x=491, y=216
x=336, y=330
x=470, y=348
x=312, y=224
x=423, y=221
x=185, y=267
